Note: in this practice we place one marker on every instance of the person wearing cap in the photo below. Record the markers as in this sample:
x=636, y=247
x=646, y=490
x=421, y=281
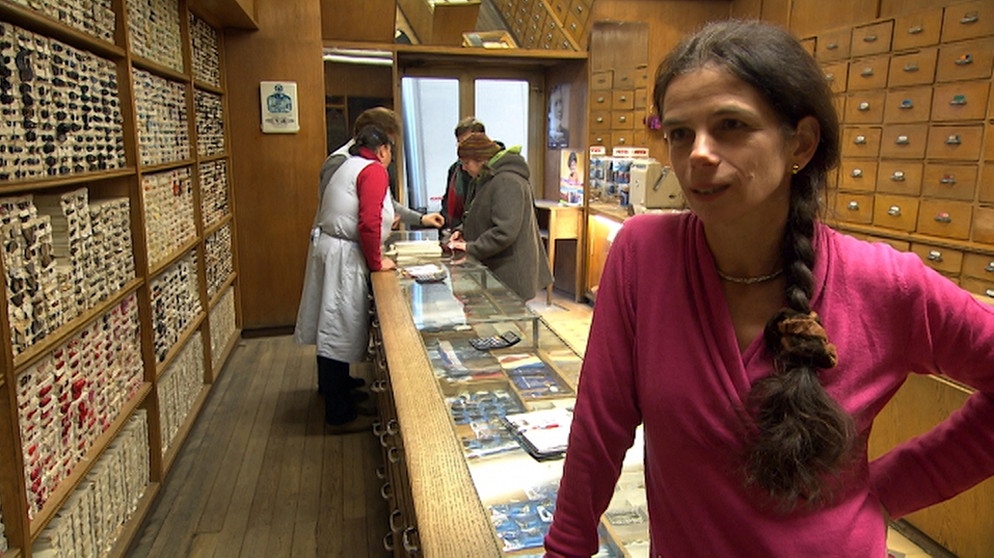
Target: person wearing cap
x=457, y=181
x=499, y=227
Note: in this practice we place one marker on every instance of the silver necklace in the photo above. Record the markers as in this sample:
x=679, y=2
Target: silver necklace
x=750, y=280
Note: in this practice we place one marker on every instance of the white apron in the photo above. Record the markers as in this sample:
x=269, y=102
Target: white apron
x=334, y=305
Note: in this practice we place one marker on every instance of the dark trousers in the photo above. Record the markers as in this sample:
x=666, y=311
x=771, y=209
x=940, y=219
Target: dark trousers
x=334, y=383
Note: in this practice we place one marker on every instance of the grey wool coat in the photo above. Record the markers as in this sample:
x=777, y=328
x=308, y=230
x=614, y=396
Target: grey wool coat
x=500, y=228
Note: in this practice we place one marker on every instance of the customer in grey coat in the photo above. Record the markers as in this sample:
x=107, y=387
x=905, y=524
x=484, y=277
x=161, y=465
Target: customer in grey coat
x=499, y=227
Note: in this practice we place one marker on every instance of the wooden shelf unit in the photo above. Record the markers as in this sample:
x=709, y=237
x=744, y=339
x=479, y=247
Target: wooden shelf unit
x=182, y=49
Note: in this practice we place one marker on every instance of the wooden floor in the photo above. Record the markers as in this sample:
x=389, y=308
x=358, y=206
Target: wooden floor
x=258, y=476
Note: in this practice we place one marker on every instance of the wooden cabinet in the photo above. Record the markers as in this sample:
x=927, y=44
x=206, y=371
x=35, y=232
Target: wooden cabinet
x=119, y=298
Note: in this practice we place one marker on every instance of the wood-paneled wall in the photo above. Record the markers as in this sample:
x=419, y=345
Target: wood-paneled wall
x=275, y=175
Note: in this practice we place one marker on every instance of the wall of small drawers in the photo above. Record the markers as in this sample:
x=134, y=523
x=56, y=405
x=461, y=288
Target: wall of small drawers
x=548, y=24
x=620, y=84
x=119, y=299
x=914, y=96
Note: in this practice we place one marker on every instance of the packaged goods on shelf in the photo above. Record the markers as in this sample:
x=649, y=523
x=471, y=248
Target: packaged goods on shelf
x=175, y=303
x=214, y=191
x=65, y=105
x=154, y=31
x=91, y=520
x=169, y=223
x=206, y=52
x=178, y=388
x=223, y=327
x=210, y=123
x=163, y=136
x=73, y=394
x=218, y=259
x=93, y=17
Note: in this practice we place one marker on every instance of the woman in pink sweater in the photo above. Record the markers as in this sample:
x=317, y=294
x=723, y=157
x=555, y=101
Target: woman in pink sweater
x=757, y=345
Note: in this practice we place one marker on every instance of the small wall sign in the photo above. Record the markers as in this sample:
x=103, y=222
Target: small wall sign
x=279, y=107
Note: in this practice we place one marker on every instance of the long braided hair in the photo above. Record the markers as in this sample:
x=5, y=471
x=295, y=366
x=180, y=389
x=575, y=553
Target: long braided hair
x=800, y=435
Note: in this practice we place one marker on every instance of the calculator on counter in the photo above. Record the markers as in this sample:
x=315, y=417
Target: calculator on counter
x=501, y=341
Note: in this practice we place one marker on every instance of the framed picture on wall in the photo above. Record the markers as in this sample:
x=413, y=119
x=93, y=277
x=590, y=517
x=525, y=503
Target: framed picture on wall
x=559, y=116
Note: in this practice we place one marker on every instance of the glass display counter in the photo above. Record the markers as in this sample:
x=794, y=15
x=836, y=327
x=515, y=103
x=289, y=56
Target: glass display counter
x=455, y=441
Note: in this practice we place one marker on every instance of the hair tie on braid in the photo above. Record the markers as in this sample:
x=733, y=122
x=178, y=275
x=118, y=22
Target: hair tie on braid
x=803, y=337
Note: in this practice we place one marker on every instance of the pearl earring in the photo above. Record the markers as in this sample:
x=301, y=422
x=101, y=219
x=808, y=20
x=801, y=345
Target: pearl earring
x=795, y=168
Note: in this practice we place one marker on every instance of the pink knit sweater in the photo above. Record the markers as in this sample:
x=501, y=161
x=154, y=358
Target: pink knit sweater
x=662, y=352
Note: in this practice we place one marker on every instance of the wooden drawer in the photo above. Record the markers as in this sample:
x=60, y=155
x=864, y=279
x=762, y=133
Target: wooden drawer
x=600, y=120
x=601, y=80
x=908, y=105
x=854, y=208
x=913, y=68
x=809, y=44
x=581, y=10
x=623, y=99
x=643, y=76
x=623, y=137
x=833, y=45
x=895, y=212
x=966, y=60
x=899, y=177
x=576, y=30
x=624, y=78
x=943, y=260
x=948, y=219
x=857, y=175
x=622, y=120
x=989, y=147
x=865, y=107
x=837, y=75
x=985, y=189
x=863, y=141
x=642, y=98
x=961, y=100
x=868, y=73
x=600, y=100
x=917, y=29
x=983, y=227
x=959, y=143
x=950, y=181
x=600, y=137
x=904, y=141
x=968, y=20
x=872, y=39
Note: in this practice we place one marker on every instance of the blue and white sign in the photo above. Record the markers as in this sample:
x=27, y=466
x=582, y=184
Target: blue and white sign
x=279, y=107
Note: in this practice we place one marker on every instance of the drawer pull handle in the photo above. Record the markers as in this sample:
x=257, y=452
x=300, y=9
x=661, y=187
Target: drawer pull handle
x=832, y=46
x=894, y=211
x=934, y=256
x=898, y=176
x=943, y=218
x=958, y=100
x=579, y=9
x=916, y=30
x=388, y=541
x=622, y=141
x=624, y=98
x=989, y=292
x=902, y=140
x=601, y=99
x=907, y=104
x=600, y=119
x=864, y=106
x=990, y=267
x=867, y=72
x=954, y=140
x=860, y=140
x=870, y=39
x=970, y=17
x=622, y=119
x=386, y=491
x=856, y=173
x=911, y=67
x=395, y=514
x=830, y=77
x=853, y=206
x=964, y=59
x=409, y=546
x=393, y=454
x=948, y=179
